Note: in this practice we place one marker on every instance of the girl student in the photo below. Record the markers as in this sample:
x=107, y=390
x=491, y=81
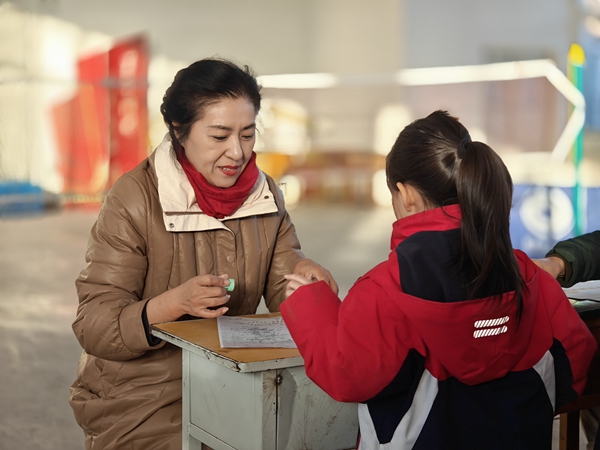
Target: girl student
x=456, y=341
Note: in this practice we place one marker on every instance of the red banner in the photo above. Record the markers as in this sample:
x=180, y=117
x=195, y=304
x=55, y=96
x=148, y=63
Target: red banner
x=128, y=83
x=81, y=126
x=102, y=132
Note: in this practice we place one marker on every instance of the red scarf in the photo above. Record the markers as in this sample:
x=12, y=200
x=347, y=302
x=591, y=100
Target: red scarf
x=215, y=201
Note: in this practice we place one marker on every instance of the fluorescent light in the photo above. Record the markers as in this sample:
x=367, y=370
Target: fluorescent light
x=299, y=81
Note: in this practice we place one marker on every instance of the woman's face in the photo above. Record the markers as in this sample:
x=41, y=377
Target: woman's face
x=220, y=144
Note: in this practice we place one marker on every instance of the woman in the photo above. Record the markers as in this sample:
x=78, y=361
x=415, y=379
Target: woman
x=457, y=341
x=169, y=236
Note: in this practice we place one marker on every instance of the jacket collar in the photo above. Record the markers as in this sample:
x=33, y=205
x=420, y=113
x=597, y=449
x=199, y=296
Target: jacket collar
x=178, y=201
x=437, y=219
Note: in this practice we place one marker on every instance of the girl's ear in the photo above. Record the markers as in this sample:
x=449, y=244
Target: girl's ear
x=406, y=193
x=411, y=198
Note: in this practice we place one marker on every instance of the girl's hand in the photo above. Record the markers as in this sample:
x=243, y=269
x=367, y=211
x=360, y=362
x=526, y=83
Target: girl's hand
x=294, y=282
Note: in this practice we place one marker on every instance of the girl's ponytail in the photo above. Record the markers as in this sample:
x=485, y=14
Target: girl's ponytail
x=484, y=190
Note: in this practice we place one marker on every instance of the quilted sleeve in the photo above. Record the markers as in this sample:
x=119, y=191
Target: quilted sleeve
x=109, y=317
x=286, y=254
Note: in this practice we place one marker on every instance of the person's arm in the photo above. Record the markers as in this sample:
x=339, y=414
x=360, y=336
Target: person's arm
x=351, y=349
x=580, y=257
x=113, y=319
x=287, y=258
x=109, y=321
x=556, y=267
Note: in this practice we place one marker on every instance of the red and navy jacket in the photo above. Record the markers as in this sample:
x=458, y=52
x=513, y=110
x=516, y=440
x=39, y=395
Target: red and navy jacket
x=432, y=370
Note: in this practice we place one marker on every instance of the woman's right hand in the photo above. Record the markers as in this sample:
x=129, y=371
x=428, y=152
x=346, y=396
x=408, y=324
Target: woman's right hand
x=294, y=282
x=203, y=292
x=194, y=297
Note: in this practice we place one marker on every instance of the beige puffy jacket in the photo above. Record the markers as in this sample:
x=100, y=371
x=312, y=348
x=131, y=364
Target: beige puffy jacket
x=150, y=236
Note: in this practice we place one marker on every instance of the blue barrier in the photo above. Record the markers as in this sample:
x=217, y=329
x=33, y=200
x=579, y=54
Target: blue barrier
x=543, y=215
x=20, y=197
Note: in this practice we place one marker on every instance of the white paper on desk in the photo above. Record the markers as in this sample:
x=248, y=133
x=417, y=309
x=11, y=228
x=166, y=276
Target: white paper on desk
x=246, y=332
x=587, y=290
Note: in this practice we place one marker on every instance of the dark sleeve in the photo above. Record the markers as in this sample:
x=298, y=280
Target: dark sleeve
x=152, y=340
x=581, y=256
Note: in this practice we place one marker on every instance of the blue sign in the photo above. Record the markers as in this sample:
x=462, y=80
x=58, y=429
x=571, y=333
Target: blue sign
x=543, y=215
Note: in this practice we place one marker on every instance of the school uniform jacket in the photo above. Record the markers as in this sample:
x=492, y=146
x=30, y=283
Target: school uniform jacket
x=432, y=370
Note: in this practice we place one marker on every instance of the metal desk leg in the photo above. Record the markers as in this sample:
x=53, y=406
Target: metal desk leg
x=189, y=442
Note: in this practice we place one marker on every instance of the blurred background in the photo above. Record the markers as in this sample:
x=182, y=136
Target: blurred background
x=81, y=83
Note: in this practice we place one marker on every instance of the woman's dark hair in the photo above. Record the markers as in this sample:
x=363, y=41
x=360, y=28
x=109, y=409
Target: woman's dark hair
x=436, y=156
x=201, y=84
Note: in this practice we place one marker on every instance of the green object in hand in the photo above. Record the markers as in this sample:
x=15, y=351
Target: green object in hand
x=231, y=285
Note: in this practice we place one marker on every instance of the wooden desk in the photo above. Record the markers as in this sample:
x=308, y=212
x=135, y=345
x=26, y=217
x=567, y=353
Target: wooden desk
x=589, y=311
x=253, y=399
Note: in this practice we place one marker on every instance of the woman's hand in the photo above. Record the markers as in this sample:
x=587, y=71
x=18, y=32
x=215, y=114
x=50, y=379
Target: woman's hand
x=312, y=271
x=294, y=282
x=202, y=292
x=194, y=297
x=553, y=265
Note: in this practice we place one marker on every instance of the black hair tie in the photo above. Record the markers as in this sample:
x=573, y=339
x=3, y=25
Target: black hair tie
x=462, y=149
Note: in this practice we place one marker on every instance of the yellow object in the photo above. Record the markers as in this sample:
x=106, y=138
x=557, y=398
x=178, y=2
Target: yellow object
x=576, y=55
x=274, y=164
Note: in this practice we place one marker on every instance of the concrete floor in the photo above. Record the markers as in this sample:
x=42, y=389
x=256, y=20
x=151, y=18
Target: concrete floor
x=40, y=257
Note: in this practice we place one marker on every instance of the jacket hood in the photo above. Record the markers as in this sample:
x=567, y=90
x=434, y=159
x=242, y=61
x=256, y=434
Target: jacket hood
x=472, y=340
x=475, y=340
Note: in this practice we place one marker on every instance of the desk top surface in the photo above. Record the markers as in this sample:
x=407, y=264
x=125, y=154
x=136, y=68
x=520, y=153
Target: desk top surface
x=201, y=337
x=585, y=298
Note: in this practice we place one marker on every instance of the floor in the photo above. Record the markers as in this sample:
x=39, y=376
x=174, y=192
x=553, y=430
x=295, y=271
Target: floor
x=40, y=258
